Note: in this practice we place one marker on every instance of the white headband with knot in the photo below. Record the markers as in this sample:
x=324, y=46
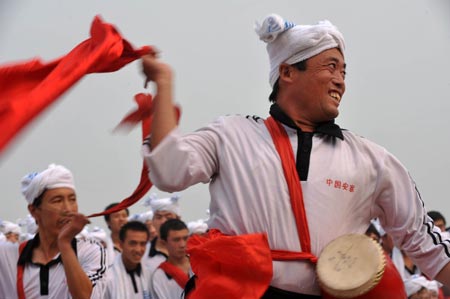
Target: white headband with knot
x=141, y=217
x=55, y=176
x=169, y=204
x=7, y=227
x=290, y=43
x=197, y=226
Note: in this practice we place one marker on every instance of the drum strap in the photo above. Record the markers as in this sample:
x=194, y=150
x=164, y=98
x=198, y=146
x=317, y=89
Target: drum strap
x=284, y=149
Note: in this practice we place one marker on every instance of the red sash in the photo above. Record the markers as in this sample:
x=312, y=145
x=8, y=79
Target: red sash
x=238, y=266
x=284, y=149
x=20, y=269
x=176, y=273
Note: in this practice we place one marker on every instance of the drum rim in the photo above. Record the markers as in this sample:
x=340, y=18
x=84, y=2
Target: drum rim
x=363, y=288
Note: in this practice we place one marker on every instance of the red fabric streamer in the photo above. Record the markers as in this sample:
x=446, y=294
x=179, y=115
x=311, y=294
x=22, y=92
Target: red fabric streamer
x=144, y=114
x=28, y=88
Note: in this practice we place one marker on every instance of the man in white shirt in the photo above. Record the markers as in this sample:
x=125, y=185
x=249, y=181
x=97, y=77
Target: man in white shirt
x=114, y=221
x=54, y=264
x=295, y=177
x=170, y=279
x=128, y=278
x=163, y=210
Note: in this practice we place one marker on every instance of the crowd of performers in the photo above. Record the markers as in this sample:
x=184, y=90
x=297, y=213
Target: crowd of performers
x=141, y=255
x=281, y=190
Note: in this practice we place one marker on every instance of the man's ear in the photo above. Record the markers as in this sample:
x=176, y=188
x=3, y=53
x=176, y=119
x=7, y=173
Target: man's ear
x=32, y=209
x=285, y=71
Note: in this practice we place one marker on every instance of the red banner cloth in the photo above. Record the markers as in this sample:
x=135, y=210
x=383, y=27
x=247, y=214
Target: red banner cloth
x=27, y=88
x=230, y=266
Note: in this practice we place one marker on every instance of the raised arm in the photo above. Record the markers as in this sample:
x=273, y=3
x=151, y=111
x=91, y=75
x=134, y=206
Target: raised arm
x=79, y=284
x=164, y=119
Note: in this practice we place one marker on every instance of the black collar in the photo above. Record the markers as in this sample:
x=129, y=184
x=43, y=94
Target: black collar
x=136, y=270
x=27, y=253
x=152, y=252
x=327, y=128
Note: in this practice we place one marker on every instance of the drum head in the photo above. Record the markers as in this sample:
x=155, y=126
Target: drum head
x=350, y=266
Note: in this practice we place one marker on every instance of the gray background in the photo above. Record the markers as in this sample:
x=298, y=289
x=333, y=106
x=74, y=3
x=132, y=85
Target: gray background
x=398, y=85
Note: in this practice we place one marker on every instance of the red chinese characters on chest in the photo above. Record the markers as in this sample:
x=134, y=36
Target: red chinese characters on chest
x=342, y=185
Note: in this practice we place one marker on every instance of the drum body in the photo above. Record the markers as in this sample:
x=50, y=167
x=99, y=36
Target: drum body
x=355, y=266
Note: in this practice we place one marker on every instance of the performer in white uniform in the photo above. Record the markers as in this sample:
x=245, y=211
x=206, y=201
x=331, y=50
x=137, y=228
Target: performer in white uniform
x=346, y=179
x=53, y=264
x=170, y=279
x=114, y=221
x=127, y=277
x=163, y=209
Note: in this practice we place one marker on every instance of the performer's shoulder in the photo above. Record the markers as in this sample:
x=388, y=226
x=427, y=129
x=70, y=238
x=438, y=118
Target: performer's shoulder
x=242, y=118
x=355, y=138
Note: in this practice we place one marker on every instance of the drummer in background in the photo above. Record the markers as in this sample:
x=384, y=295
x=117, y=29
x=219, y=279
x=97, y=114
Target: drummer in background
x=345, y=180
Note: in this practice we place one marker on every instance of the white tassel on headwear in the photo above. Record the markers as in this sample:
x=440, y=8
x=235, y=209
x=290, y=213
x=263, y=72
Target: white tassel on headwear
x=290, y=43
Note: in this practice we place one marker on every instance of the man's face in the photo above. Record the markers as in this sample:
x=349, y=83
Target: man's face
x=316, y=93
x=159, y=217
x=117, y=220
x=133, y=247
x=12, y=237
x=51, y=215
x=176, y=242
x=440, y=223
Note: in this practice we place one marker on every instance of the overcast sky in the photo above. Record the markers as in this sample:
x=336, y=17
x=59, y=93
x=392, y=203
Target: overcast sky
x=398, y=85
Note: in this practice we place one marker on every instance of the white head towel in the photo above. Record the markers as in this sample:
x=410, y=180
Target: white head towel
x=55, y=176
x=29, y=223
x=169, y=204
x=141, y=217
x=7, y=227
x=290, y=43
x=197, y=227
x=415, y=283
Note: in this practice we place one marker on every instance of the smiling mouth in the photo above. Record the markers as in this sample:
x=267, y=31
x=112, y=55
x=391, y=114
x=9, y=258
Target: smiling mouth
x=335, y=96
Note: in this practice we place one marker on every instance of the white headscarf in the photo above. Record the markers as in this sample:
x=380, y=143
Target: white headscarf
x=415, y=283
x=290, y=43
x=7, y=227
x=197, y=227
x=169, y=204
x=141, y=217
x=55, y=176
x=29, y=223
